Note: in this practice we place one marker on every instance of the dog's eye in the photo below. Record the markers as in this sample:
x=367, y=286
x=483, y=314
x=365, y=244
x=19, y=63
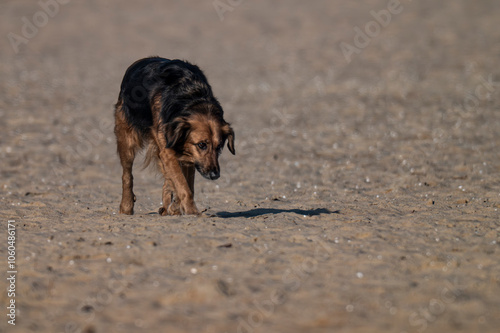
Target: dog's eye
x=202, y=145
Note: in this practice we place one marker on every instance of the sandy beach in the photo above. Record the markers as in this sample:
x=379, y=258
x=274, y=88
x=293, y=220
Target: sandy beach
x=364, y=195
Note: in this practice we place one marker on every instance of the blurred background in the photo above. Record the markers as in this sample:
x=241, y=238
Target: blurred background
x=320, y=74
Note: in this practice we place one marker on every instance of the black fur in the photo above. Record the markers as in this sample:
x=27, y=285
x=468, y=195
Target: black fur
x=181, y=85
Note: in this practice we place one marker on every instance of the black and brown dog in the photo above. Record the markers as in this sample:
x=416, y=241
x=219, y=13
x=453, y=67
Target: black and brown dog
x=169, y=105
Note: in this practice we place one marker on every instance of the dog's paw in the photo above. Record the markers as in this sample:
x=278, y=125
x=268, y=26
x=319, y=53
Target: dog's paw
x=127, y=206
x=190, y=210
x=168, y=212
x=188, y=207
x=129, y=211
x=174, y=209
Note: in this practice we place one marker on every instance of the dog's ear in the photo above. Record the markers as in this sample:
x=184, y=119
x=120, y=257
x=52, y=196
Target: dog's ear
x=176, y=132
x=229, y=133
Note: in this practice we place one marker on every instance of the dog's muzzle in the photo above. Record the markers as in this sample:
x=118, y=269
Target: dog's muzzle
x=213, y=175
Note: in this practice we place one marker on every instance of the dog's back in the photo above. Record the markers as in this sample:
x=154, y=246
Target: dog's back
x=179, y=84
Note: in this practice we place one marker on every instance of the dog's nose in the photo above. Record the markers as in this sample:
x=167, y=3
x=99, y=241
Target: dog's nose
x=214, y=175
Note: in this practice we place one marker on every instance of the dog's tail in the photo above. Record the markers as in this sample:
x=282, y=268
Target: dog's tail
x=152, y=155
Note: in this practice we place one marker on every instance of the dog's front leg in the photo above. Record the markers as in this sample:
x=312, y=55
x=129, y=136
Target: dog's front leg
x=175, y=175
x=170, y=202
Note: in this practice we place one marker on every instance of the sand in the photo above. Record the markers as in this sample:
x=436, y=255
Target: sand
x=364, y=195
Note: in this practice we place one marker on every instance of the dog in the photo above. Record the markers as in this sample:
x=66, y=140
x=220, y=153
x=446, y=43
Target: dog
x=169, y=106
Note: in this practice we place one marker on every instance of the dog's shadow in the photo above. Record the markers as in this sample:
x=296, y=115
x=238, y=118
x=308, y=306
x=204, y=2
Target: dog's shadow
x=265, y=211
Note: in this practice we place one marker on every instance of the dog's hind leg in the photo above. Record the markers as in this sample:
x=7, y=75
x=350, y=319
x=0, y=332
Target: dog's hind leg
x=128, y=143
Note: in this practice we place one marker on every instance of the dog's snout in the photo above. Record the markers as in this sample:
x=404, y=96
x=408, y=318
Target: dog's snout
x=214, y=175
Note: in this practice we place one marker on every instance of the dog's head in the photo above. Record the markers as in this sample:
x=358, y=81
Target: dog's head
x=199, y=139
